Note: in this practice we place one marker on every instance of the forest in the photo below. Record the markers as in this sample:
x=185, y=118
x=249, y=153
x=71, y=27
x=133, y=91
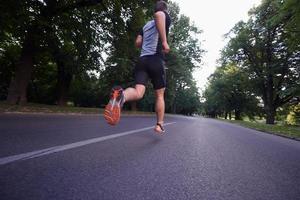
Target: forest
x=71, y=52
x=259, y=68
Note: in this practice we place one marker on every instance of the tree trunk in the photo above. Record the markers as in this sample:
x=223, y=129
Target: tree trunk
x=174, y=110
x=237, y=114
x=270, y=118
x=270, y=114
x=17, y=92
x=270, y=108
x=63, y=84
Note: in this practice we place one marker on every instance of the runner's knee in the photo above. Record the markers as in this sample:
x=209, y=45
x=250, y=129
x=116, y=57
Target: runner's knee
x=139, y=94
x=140, y=90
x=159, y=94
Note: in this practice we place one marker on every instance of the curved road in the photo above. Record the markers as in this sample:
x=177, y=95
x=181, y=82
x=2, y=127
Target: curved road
x=81, y=157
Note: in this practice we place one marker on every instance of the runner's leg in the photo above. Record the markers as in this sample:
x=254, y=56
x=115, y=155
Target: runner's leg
x=132, y=94
x=159, y=108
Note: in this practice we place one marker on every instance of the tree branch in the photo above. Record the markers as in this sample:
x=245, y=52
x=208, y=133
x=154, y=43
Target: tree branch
x=80, y=4
x=53, y=9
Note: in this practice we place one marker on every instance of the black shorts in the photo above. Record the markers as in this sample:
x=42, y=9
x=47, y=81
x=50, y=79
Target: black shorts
x=151, y=67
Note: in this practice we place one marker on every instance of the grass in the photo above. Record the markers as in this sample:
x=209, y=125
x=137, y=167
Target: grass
x=278, y=129
x=42, y=108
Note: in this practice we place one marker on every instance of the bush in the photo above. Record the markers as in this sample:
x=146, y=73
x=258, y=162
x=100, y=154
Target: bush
x=293, y=118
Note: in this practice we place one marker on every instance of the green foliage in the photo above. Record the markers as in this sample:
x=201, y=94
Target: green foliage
x=70, y=31
x=42, y=87
x=293, y=118
x=10, y=33
x=85, y=92
x=289, y=14
x=9, y=51
x=72, y=40
x=148, y=101
x=279, y=129
x=127, y=18
x=182, y=94
x=187, y=100
x=228, y=92
x=263, y=49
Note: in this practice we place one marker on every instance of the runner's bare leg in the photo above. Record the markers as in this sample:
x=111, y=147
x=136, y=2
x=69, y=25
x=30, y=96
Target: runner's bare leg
x=160, y=107
x=133, y=94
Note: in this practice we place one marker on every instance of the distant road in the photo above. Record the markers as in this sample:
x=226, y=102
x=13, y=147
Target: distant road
x=81, y=157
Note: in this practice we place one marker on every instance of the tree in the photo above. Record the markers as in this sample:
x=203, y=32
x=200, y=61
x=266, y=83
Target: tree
x=32, y=19
x=127, y=18
x=187, y=100
x=56, y=42
x=289, y=16
x=184, y=58
x=228, y=92
x=76, y=40
x=263, y=50
x=10, y=32
x=293, y=118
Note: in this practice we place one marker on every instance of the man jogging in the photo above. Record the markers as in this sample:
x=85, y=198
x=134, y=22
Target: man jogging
x=152, y=39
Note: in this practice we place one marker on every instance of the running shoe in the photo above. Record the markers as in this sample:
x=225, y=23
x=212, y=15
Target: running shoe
x=112, y=111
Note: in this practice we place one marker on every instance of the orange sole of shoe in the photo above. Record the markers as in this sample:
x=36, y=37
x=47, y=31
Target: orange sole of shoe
x=112, y=115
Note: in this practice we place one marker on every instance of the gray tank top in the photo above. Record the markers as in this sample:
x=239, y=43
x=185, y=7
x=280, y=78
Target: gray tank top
x=151, y=41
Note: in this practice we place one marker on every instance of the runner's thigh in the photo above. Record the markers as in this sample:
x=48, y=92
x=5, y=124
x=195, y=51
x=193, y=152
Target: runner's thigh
x=156, y=70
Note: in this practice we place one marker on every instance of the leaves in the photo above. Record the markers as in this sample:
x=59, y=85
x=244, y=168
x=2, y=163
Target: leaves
x=263, y=48
x=228, y=92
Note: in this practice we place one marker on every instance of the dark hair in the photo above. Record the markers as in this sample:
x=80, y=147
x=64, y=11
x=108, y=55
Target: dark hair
x=160, y=6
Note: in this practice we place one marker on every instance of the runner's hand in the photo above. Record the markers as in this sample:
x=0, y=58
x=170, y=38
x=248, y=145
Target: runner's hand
x=166, y=48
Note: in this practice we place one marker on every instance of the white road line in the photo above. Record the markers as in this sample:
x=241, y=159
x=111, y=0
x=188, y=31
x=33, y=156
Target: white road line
x=55, y=149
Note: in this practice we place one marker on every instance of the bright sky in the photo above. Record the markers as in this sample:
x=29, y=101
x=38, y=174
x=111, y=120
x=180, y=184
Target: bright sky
x=215, y=18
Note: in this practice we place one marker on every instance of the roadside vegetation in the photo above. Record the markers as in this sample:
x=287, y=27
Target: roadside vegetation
x=258, y=76
x=290, y=131
x=55, y=109
x=43, y=108
x=55, y=52
x=64, y=56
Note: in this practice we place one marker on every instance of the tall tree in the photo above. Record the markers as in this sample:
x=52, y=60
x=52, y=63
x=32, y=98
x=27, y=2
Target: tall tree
x=228, y=91
x=264, y=51
x=76, y=40
x=127, y=18
x=33, y=18
x=184, y=58
x=289, y=16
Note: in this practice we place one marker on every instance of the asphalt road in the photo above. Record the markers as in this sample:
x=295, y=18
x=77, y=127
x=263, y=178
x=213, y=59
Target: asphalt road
x=81, y=157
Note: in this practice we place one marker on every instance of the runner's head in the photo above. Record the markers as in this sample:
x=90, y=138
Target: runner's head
x=160, y=6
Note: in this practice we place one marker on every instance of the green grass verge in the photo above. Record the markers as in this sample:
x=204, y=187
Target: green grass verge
x=279, y=129
x=42, y=108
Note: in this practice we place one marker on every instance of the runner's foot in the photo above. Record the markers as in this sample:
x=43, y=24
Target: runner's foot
x=112, y=111
x=159, y=128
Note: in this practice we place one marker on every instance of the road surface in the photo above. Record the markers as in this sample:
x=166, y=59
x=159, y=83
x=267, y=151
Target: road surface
x=45, y=156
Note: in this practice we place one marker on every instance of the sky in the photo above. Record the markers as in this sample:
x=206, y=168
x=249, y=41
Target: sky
x=215, y=18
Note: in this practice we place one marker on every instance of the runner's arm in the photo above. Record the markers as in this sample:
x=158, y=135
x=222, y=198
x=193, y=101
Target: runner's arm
x=139, y=41
x=160, y=21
